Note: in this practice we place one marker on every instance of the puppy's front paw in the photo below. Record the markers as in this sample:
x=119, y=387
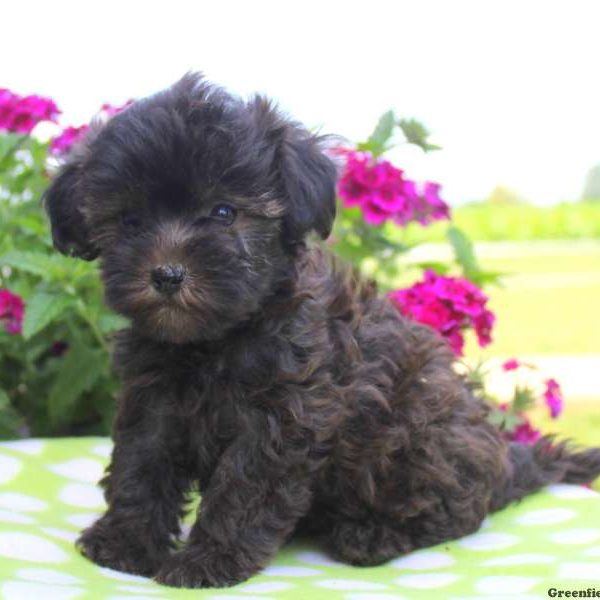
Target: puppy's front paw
x=117, y=547
x=199, y=567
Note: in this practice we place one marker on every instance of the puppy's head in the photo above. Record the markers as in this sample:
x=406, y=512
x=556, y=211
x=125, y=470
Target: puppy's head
x=195, y=202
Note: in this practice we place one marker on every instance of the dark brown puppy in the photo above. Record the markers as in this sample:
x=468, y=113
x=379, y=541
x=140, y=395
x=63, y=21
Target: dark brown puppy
x=261, y=369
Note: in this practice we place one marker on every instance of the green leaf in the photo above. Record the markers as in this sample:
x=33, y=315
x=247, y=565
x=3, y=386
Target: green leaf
x=463, y=251
x=42, y=265
x=110, y=322
x=10, y=420
x=505, y=421
x=80, y=370
x=416, y=133
x=523, y=399
x=32, y=224
x=482, y=278
x=4, y=400
x=438, y=267
x=41, y=309
x=9, y=145
x=378, y=140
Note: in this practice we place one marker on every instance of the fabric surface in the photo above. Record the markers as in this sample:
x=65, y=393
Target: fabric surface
x=48, y=493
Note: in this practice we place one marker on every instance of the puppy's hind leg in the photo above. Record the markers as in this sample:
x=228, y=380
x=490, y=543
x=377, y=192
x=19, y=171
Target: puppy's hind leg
x=367, y=543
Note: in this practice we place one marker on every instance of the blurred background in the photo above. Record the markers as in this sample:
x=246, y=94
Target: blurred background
x=507, y=89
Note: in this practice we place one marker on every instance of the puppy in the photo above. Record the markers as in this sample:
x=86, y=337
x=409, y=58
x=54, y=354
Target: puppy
x=259, y=369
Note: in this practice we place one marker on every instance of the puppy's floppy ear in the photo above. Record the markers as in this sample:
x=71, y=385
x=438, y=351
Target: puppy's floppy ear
x=305, y=175
x=309, y=179
x=63, y=200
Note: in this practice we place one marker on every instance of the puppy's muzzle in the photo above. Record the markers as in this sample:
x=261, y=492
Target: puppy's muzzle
x=167, y=279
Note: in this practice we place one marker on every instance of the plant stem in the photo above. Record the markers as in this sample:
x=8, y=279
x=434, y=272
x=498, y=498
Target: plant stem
x=92, y=324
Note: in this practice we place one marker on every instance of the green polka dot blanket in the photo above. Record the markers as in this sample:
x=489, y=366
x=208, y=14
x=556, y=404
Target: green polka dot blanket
x=48, y=493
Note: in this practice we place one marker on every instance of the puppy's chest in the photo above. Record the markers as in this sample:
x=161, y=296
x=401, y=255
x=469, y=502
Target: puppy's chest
x=213, y=413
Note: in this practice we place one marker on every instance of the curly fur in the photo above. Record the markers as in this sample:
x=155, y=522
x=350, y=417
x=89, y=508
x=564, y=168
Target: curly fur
x=276, y=380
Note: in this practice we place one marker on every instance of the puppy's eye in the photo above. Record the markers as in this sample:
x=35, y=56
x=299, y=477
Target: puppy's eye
x=131, y=221
x=224, y=213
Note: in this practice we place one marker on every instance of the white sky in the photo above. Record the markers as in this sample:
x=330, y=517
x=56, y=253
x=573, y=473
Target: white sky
x=510, y=89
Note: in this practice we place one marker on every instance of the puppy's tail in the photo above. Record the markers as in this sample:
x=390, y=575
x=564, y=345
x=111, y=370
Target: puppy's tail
x=534, y=466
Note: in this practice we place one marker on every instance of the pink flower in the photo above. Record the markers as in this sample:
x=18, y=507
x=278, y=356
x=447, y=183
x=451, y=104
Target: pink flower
x=524, y=433
x=383, y=193
x=8, y=102
x=65, y=141
x=110, y=110
x=21, y=114
x=449, y=305
x=12, y=310
x=69, y=136
x=511, y=364
x=553, y=397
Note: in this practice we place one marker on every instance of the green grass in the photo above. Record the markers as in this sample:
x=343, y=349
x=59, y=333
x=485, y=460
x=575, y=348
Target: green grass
x=579, y=422
x=549, y=301
x=518, y=222
x=549, y=305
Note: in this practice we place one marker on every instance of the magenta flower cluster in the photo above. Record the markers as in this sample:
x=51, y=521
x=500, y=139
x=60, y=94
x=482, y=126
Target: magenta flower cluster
x=12, y=311
x=383, y=192
x=553, y=396
x=69, y=136
x=450, y=305
x=62, y=143
x=524, y=432
x=20, y=114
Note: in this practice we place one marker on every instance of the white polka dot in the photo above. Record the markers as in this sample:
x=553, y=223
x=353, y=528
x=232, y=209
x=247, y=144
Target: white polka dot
x=319, y=559
x=30, y=548
x=486, y=523
x=589, y=571
x=576, y=536
x=488, y=541
x=593, y=551
x=61, y=534
x=82, y=494
x=21, y=502
x=266, y=587
x=520, y=559
x=137, y=589
x=33, y=447
x=350, y=584
x=571, y=492
x=546, y=516
x=285, y=571
x=19, y=590
x=186, y=529
x=9, y=468
x=81, y=469
x=123, y=576
x=102, y=450
x=82, y=520
x=423, y=560
x=47, y=576
x=505, y=584
x=427, y=580
x=13, y=517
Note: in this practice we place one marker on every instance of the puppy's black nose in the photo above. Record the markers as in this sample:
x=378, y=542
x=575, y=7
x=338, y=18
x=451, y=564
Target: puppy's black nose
x=167, y=278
